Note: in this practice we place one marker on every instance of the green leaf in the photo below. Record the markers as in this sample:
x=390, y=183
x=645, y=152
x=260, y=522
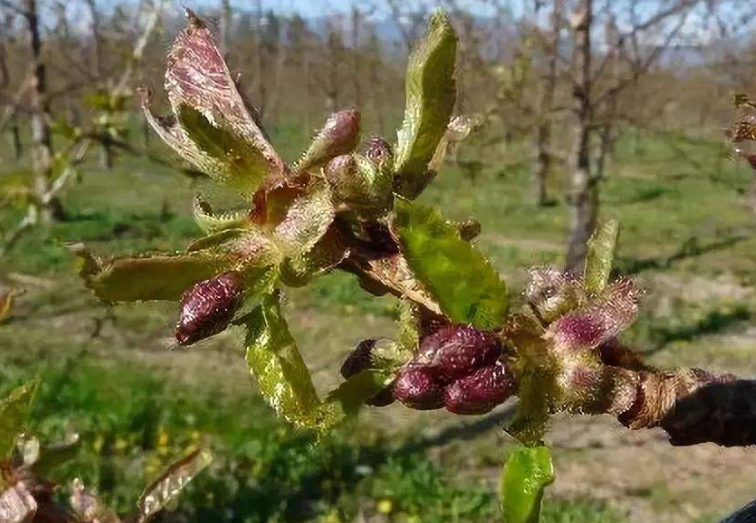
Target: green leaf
x=431, y=94
x=244, y=166
x=526, y=474
x=14, y=409
x=466, y=286
x=150, y=277
x=282, y=375
x=598, y=264
x=171, y=482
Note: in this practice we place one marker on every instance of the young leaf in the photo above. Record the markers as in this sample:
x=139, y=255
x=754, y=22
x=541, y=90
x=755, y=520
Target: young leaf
x=171, y=482
x=526, y=474
x=243, y=166
x=282, y=375
x=463, y=282
x=14, y=410
x=431, y=94
x=197, y=77
x=306, y=220
x=156, y=277
x=598, y=264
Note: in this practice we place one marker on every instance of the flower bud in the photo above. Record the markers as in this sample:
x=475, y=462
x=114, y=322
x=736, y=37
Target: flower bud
x=457, y=350
x=339, y=135
x=481, y=391
x=417, y=388
x=208, y=307
x=378, y=150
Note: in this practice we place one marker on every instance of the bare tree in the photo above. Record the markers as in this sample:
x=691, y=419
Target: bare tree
x=583, y=197
x=42, y=152
x=543, y=155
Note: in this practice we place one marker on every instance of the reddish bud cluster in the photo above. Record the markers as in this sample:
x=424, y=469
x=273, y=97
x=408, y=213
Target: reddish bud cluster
x=208, y=307
x=458, y=368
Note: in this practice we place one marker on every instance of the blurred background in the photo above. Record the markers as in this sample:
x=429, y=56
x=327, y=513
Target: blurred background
x=618, y=114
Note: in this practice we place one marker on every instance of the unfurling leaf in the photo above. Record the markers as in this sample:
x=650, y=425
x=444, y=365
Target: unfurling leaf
x=215, y=130
x=324, y=256
x=340, y=135
x=243, y=167
x=526, y=474
x=430, y=97
x=161, y=277
x=282, y=375
x=598, y=263
x=306, y=221
x=458, y=276
x=14, y=409
x=171, y=482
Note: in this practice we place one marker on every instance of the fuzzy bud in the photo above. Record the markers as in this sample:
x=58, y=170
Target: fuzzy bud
x=457, y=350
x=417, y=388
x=481, y=391
x=340, y=135
x=208, y=307
x=378, y=150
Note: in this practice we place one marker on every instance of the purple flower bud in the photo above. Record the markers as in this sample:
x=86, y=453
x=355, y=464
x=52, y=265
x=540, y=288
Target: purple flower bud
x=208, y=307
x=481, y=391
x=417, y=388
x=339, y=135
x=590, y=327
x=457, y=350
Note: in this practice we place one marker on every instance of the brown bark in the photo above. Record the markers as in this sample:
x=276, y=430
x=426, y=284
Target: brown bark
x=583, y=197
x=543, y=160
x=692, y=406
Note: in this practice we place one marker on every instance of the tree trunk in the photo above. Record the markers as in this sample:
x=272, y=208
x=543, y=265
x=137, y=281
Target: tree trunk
x=40, y=120
x=542, y=163
x=584, y=196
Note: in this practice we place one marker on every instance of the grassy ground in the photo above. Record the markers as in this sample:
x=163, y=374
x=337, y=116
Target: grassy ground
x=111, y=374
